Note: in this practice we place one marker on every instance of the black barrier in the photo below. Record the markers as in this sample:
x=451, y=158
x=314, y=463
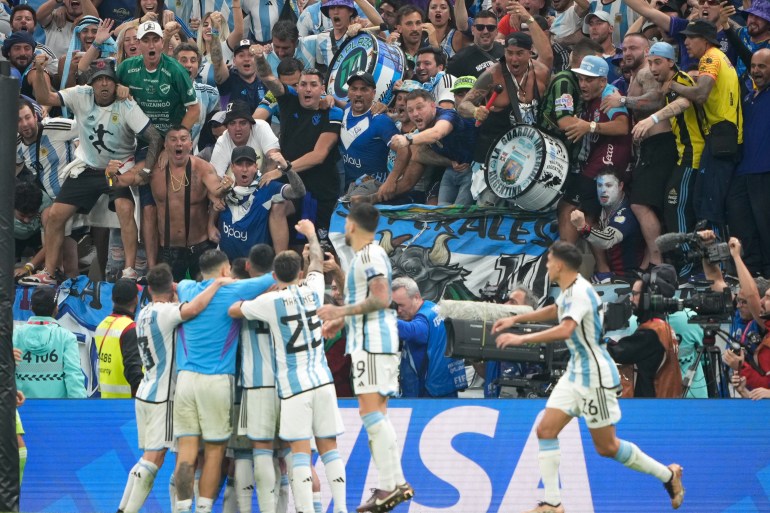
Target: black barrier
x=9, y=449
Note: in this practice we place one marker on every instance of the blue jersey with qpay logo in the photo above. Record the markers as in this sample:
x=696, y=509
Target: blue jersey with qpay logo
x=243, y=222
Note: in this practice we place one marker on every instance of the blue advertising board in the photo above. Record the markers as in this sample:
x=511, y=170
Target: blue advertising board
x=465, y=456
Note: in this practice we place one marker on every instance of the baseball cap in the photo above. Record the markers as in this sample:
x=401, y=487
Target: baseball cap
x=364, y=76
x=239, y=110
x=244, y=152
x=592, y=66
x=149, y=27
x=102, y=67
x=463, y=83
x=520, y=39
x=760, y=8
x=602, y=15
x=662, y=49
x=219, y=117
x=243, y=43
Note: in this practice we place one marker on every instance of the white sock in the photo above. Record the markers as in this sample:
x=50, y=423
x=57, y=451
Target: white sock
x=264, y=476
x=244, y=481
x=144, y=477
x=632, y=457
x=317, y=504
x=172, y=493
x=549, y=458
x=396, y=468
x=282, y=501
x=184, y=506
x=204, y=505
x=129, y=487
x=229, y=501
x=382, y=444
x=302, y=483
x=335, y=475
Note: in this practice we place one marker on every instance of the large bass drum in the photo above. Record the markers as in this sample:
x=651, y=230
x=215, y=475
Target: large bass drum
x=528, y=167
x=365, y=52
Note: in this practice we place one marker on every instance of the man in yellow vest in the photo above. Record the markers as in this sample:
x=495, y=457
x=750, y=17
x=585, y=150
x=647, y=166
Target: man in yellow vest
x=120, y=366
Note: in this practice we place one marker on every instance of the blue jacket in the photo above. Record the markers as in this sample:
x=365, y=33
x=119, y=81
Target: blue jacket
x=425, y=371
x=50, y=360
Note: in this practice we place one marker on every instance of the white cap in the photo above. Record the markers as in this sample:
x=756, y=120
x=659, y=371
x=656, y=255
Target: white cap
x=149, y=27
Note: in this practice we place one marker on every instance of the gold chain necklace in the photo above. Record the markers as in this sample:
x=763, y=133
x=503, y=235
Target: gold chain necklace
x=177, y=184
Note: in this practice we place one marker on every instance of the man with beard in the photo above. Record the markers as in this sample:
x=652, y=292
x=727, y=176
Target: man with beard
x=683, y=117
x=605, y=139
x=429, y=71
x=364, y=136
x=108, y=131
x=657, y=152
x=288, y=43
x=483, y=53
x=747, y=210
x=672, y=26
x=718, y=91
x=617, y=233
x=19, y=49
x=568, y=21
x=58, y=37
x=749, y=39
x=308, y=139
x=248, y=217
x=600, y=30
x=409, y=33
x=24, y=18
x=181, y=189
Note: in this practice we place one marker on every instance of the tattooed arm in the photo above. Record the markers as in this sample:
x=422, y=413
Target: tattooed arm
x=652, y=97
x=265, y=73
x=475, y=98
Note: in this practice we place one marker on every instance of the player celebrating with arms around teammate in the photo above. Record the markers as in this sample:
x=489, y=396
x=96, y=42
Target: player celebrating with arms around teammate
x=591, y=384
x=372, y=342
x=305, y=385
x=156, y=328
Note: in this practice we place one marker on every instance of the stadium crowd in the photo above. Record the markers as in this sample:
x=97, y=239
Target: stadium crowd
x=204, y=140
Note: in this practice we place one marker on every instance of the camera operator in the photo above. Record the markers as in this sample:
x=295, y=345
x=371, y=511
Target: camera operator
x=650, y=366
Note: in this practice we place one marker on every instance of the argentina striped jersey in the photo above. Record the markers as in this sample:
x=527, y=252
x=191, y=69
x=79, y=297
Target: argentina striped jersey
x=155, y=334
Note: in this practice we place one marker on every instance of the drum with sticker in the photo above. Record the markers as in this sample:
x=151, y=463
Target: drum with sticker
x=365, y=52
x=528, y=167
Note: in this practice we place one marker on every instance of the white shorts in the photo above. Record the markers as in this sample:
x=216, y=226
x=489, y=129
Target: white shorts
x=202, y=406
x=598, y=406
x=155, y=424
x=311, y=414
x=258, y=417
x=375, y=373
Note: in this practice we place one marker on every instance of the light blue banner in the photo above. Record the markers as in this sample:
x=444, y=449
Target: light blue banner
x=461, y=456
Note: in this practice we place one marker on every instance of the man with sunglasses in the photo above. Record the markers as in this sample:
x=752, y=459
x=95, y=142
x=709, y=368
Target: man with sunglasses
x=483, y=53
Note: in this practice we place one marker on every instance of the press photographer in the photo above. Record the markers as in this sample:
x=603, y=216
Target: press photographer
x=649, y=363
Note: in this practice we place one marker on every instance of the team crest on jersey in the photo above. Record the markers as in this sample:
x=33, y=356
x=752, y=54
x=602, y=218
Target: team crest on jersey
x=316, y=119
x=43, y=152
x=165, y=88
x=115, y=119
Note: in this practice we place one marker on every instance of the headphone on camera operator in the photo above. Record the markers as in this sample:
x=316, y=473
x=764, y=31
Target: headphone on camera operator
x=648, y=358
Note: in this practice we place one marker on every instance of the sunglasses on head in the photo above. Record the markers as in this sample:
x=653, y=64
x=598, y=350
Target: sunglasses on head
x=488, y=28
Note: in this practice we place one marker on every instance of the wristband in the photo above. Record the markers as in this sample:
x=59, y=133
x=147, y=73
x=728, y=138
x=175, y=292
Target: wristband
x=29, y=267
x=585, y=230
x=655, y=119
x=288, y=167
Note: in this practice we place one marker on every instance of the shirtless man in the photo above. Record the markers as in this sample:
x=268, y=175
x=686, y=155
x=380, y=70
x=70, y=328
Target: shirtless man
x=658, y=153
x=181, y=186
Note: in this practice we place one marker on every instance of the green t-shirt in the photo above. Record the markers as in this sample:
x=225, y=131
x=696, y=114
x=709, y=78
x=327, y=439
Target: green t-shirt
x=163, y=94
x=562, y=99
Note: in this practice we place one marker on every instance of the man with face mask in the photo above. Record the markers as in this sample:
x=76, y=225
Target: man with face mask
x=649, y=355
x=617, y=233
